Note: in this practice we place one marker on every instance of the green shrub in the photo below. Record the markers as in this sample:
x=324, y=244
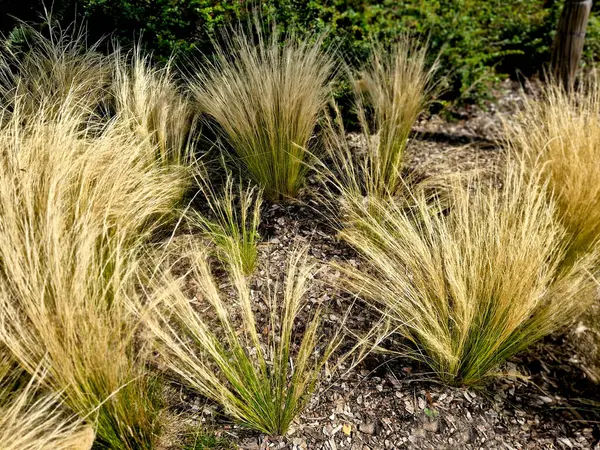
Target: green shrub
x=473, y=36
x=513, y=36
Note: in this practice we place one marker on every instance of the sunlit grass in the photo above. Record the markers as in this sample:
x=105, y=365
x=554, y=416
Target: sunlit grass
x=76, y=206
x=263, y=378
x=266, y=94
x=150, y=99
x=30, y=420
x=232, y=224
x=558, y=135
x=391, y=90
x=470, y=287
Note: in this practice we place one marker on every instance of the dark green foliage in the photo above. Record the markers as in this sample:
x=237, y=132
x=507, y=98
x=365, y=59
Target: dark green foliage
x=474, y=37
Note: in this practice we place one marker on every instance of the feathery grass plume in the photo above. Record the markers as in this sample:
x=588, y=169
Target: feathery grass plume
x=392, y=90
x=558, y=135
x=262, y=379
x=33, y=421
x=61, y=66
x=233, y=222
x=149, y=98
x=76, y=205
x=472, y=287
x=266, y=94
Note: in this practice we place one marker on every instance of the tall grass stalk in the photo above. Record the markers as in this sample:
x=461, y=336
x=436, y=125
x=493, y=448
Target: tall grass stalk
x=76, y=204
x=266, y=94
x=558, y=135
x=391, y=91
x=470, y=288
x=262, y=374
x=150, y=99
x=33, y=421
x=233, y=222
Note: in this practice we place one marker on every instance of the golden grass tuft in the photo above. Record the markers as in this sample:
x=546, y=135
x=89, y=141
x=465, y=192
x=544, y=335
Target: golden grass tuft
x=262, y=377
x=558, y=135
x=232, y=224
x=471, y=287
x=391, y=91
x=91, y=166
x=76, y=204
x=150, y=99
x=266, y=94
x=33, y=421
x=61, y=66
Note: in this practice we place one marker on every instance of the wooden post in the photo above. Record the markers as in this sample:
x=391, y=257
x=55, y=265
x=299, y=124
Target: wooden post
x=568, y=43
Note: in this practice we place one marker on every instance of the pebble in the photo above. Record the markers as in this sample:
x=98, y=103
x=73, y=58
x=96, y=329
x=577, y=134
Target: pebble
x=367, y=428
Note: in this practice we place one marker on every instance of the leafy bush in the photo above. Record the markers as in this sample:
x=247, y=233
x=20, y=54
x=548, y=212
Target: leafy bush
x=472, y=36
x=472, y=287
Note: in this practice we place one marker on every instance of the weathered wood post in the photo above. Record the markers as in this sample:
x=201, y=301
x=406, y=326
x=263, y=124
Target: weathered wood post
x=568, y=43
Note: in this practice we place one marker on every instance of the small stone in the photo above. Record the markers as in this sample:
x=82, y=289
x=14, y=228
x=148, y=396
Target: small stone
x=347, y=429
x=566, y=443
x=299, y=443
x=431, y=425
x=367, y=428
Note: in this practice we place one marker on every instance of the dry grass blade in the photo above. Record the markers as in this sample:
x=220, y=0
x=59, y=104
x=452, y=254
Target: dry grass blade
x=76, y=206
x=62, y=67
x=262, y=379
x=149, y=98
x=470, y=288
x=391, y=92
x=558, y=135
x=29, y=421
x=233, y=222
x=266, y=95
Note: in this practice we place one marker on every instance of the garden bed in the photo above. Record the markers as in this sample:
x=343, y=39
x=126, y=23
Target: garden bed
x=393, y=402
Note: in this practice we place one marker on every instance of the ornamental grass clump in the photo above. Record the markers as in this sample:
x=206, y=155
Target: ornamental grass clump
x=76, y=205
x=391, y=91
x=30, y=420
x=60, y=66
x=149, y=98
x=265, y=94
x=558, y=135
x=232, y=221
x=81, y=192
x=262, y=373
x=473, y=280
